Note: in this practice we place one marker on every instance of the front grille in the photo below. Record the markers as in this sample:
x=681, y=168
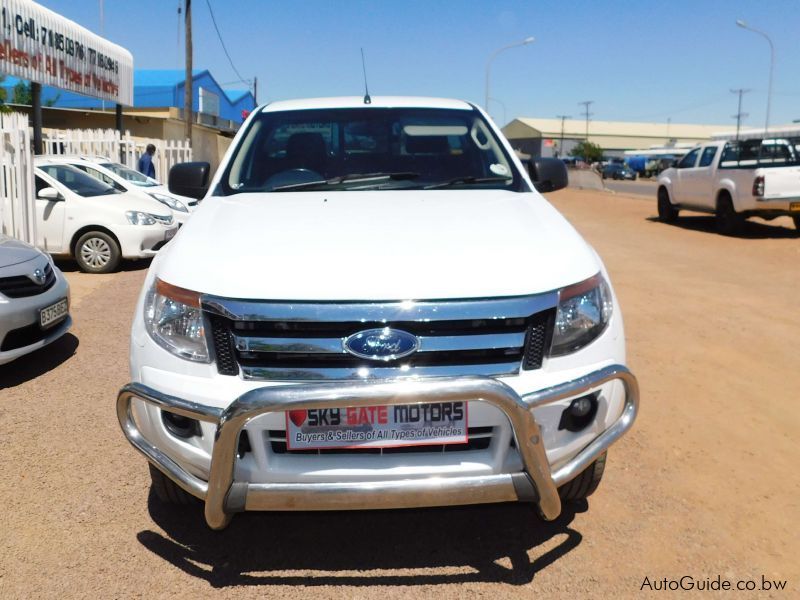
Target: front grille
x=22, y=286
x=478, y=438
x=223, y=346
x=25, y=336
x=285, y=342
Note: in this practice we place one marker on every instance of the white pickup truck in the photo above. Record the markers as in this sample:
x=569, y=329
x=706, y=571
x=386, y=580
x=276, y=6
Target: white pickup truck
x=374, y=308
x=734, y=180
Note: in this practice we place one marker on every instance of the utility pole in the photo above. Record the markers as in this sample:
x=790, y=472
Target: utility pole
x=561, y=143
x=187, y=84
x=669, y=123
x=255, y=90
x=586, y=104
x=739, y=114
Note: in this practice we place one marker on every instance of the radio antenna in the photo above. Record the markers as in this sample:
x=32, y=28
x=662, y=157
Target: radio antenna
x=367, y=99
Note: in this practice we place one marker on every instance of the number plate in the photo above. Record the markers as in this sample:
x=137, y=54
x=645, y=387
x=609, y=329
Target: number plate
x=170, y=234
x=377, y=426
x=53, y=313
x=793, y=206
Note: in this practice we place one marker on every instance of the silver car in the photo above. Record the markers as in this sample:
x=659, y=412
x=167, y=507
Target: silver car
x=34, y=300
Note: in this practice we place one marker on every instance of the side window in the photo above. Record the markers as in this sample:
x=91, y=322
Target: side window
x=688, y=161
x=708, y=156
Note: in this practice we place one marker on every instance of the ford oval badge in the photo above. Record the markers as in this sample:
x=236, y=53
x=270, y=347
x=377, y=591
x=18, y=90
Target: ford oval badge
x=381, y=344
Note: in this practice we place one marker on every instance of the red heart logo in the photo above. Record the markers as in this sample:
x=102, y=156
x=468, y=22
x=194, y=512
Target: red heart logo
x=298, y=417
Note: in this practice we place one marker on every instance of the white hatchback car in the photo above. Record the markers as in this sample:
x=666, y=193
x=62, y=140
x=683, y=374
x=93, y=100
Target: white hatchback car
x=124, y=179
x=84, y=218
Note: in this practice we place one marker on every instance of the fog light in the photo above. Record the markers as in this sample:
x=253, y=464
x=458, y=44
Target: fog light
x=581, y=407
x=180, y=426
x=579, y=414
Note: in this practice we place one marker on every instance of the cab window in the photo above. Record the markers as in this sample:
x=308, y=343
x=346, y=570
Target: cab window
x=688, y=161
x=708, y=156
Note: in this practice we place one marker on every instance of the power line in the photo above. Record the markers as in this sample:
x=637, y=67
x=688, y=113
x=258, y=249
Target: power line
x=222, y=43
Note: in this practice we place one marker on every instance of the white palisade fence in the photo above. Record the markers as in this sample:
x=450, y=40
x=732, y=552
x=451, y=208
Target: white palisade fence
x=119, y=148
x=17, y=208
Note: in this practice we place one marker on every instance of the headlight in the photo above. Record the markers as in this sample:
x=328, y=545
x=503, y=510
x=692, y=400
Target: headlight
x=140, y=218
x=174, y=320
x=584, y=310
x=173, y=203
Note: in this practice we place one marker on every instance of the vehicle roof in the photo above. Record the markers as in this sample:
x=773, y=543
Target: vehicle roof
x=358, y=102
x=70, y=158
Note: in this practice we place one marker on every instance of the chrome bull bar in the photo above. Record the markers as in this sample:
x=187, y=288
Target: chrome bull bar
x=224, y=497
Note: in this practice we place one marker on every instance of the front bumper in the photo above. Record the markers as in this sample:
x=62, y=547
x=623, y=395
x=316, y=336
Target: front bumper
x=23, y=313
x=536, y=483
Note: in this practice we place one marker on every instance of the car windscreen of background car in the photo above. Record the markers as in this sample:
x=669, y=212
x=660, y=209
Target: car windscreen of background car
x=78, y=181
x=130, y=175
x=420, y=147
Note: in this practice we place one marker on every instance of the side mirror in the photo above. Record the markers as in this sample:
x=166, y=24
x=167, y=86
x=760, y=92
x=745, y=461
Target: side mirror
x=548, y=174
x=189, y=179
x=674, y=163
x=49, y=194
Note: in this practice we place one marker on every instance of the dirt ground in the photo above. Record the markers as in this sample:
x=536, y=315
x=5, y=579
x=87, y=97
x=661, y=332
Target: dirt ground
x=707, y=484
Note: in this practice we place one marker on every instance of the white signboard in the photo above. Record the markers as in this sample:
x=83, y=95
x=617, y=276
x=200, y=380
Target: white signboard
x=362, y=427
x=208, y=102
x=42, y=46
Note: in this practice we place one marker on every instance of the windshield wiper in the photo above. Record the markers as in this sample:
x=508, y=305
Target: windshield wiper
x=351, y=178
x=467, y=181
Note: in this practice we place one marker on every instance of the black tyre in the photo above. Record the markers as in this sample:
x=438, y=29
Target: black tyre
x=666, y=212
x=167, y=491
x=97, y=252
x=584, y=484
x=729, y=222
x=796, y=222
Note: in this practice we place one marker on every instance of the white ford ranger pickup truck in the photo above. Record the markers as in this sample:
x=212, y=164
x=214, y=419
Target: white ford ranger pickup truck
x=734, y=180
x=374, y=307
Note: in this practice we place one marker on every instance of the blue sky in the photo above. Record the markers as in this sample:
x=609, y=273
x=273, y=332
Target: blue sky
x=638, y=60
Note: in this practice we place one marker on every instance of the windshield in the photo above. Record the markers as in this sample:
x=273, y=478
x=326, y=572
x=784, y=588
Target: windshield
x=368, y=148
x=130, y=175
x=78, y=181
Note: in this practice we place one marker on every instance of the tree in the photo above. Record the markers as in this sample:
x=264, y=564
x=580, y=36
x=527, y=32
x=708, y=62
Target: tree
x=588, y=151
x=22, y=94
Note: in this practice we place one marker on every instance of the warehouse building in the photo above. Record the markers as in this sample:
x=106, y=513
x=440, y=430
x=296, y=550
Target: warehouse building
x=543, y=137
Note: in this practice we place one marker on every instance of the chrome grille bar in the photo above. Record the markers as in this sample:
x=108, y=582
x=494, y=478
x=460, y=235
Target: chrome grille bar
x=441, y=343
x=369, y=373
x=376, y=312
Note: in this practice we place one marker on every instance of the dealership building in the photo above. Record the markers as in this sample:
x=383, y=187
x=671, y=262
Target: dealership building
x=543, y=137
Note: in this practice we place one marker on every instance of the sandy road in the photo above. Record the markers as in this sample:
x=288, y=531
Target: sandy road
x=707, y=484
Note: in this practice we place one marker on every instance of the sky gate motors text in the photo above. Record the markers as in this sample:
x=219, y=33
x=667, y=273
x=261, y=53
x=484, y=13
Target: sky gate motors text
x=443, y=412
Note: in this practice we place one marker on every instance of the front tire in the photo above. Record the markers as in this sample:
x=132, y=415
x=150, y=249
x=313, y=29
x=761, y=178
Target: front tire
x=97, y=252
x=167, y=491
x=585, y=484
x=729, y=222
x=666, y=212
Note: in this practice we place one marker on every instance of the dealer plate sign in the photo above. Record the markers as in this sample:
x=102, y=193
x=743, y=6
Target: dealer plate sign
x=377, y=426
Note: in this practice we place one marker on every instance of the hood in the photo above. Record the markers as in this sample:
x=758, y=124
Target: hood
x=13, y=252
x=376, y=245
x=140, y=201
